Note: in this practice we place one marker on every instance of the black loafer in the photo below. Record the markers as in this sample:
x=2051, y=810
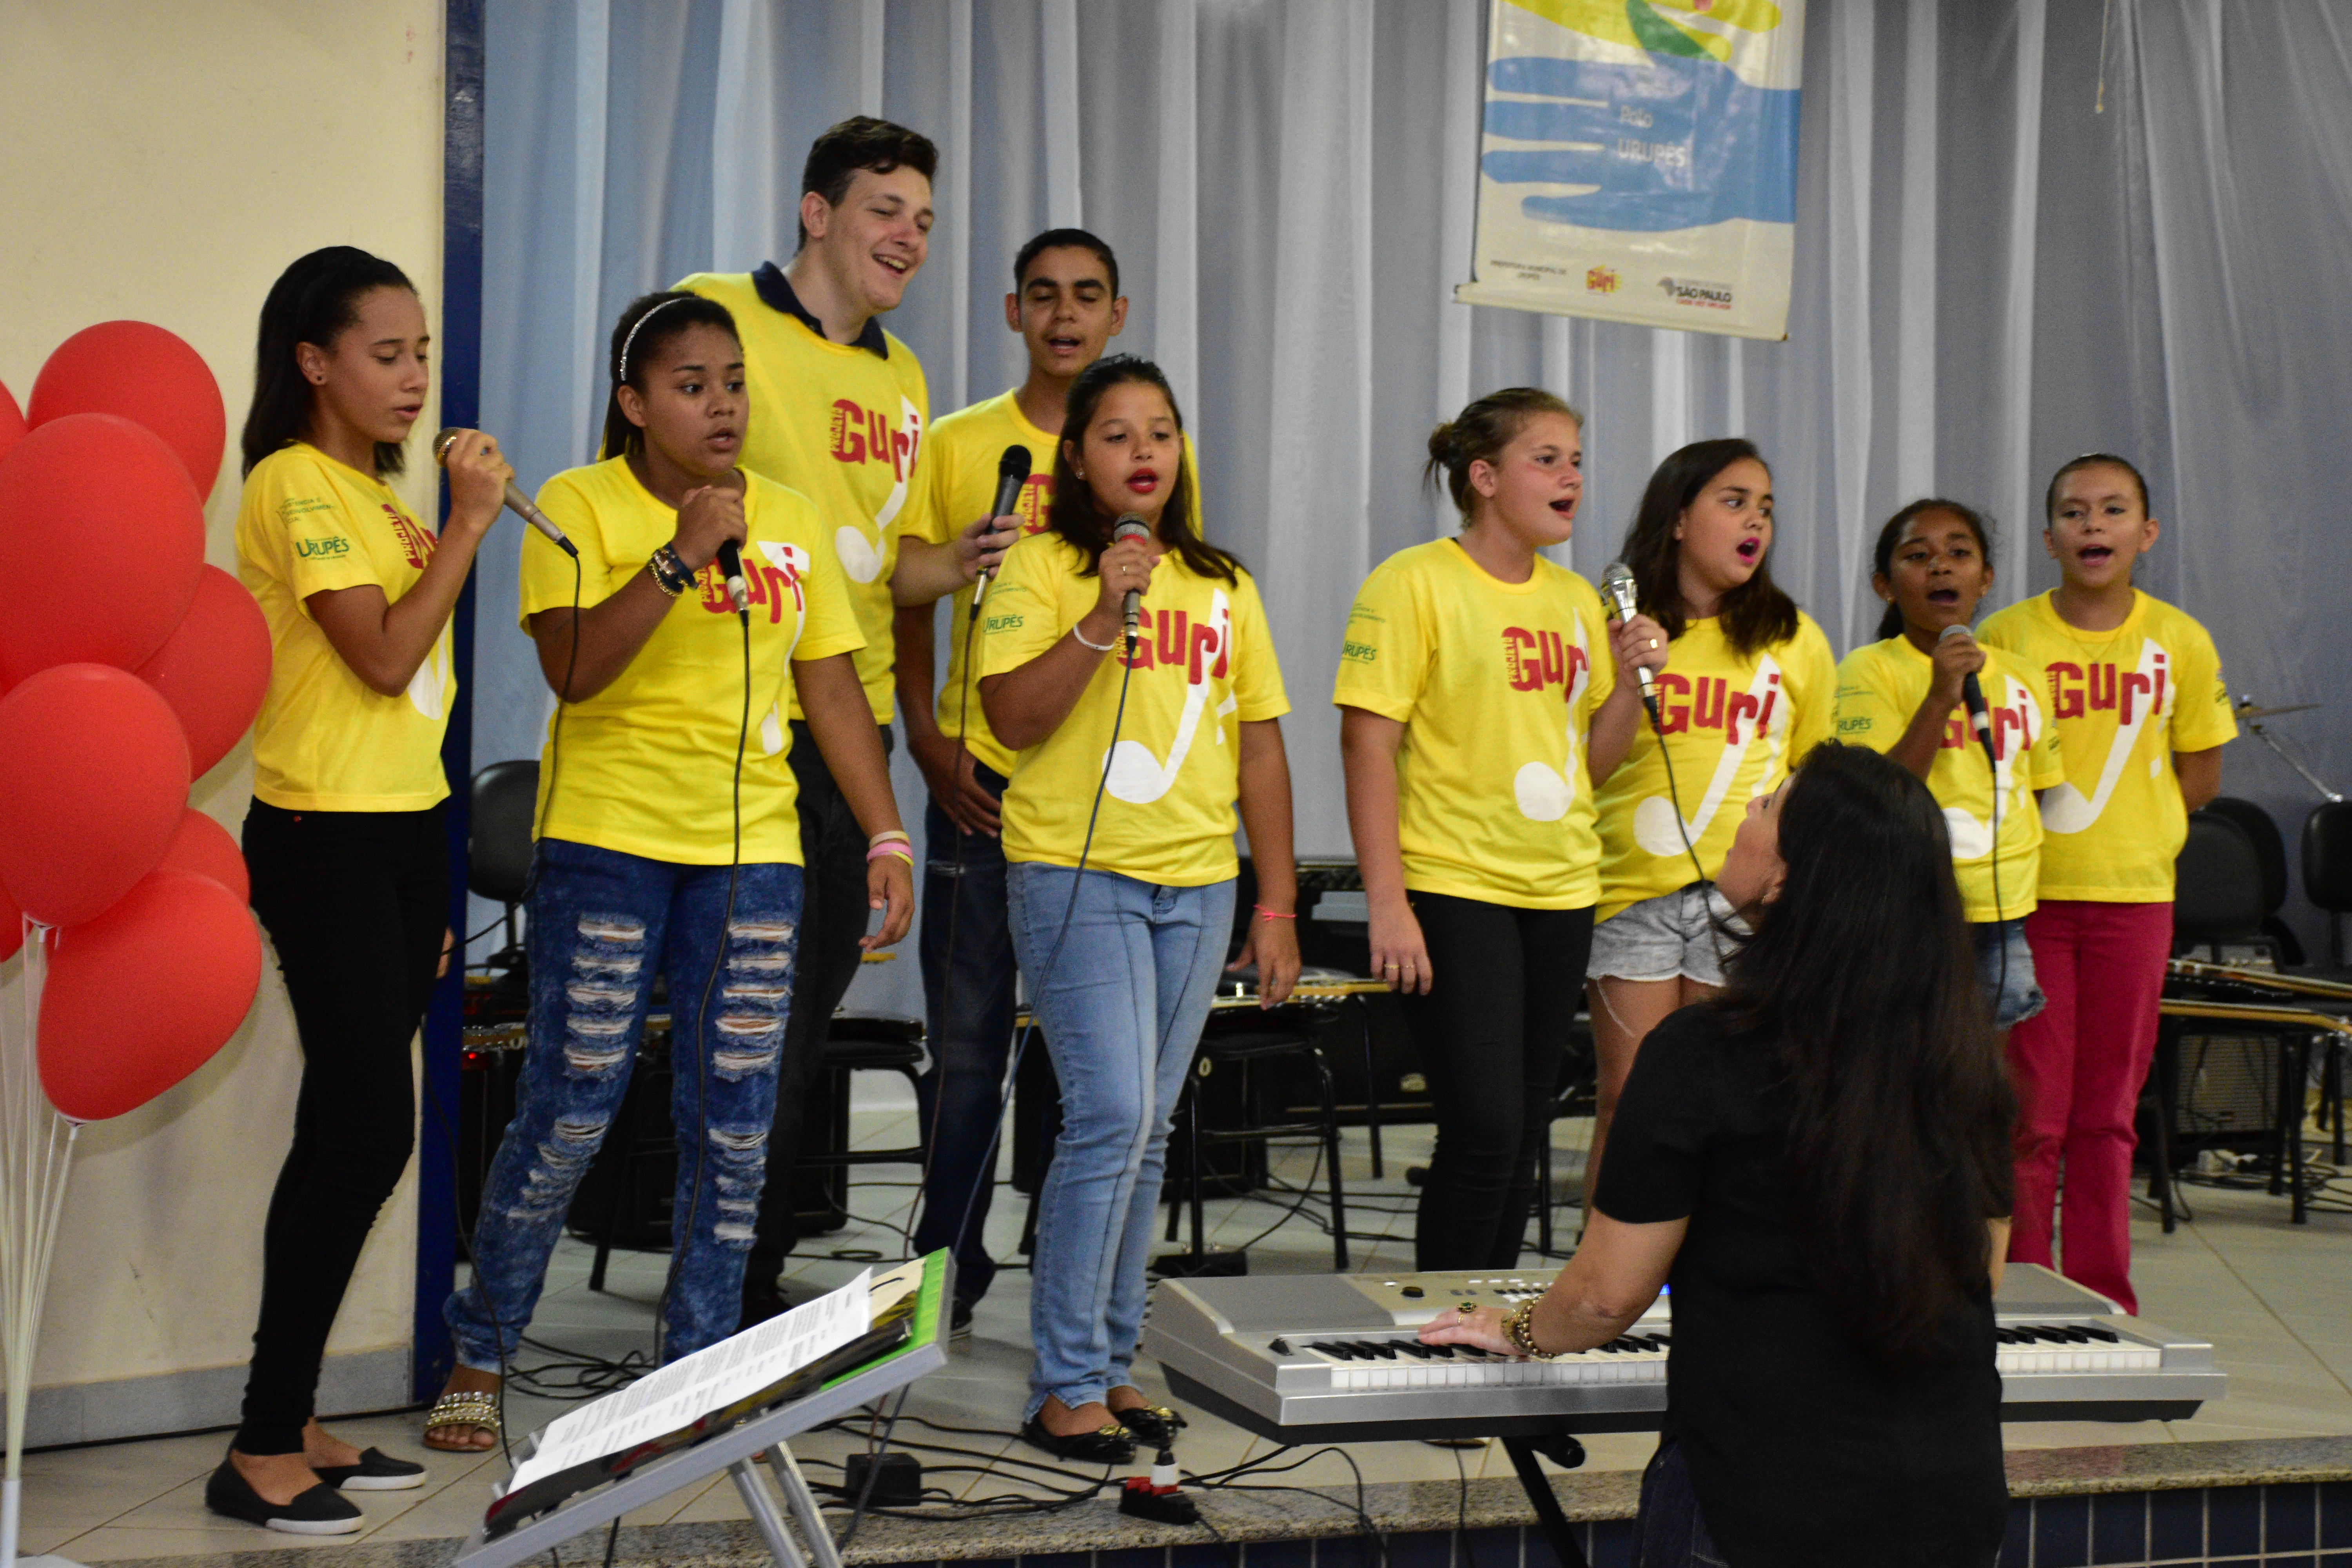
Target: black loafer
x=321, y=1511
x=1109, y=1444
x=377, y=1471
x=1154, y=1424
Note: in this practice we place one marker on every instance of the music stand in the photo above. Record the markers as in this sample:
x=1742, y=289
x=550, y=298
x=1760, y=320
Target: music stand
x=738, y=1451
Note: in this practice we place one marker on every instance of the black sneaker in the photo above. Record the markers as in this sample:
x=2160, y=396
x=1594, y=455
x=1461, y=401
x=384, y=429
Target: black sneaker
x=960, y=1320
x=377, y=1471
x=321, y=1511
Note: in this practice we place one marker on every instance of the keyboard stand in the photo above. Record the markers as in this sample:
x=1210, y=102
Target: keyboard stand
x=1549, y=1513
x=737, y=1452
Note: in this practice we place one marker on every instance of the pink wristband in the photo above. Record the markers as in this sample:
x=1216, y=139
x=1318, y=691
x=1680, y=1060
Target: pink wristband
x=897, y=846
x=1264, y=913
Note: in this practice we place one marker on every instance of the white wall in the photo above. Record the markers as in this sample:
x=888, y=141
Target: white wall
x=165, y=161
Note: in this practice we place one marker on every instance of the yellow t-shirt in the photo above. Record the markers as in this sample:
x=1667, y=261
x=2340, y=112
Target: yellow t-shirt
x=2111, y=831
x=1733, y=728
x=647, y=766
x=956, y=485
x=843, y=425
x=325, y=739
x=1205, y=656
x=1881, y=686
x=1497, y=684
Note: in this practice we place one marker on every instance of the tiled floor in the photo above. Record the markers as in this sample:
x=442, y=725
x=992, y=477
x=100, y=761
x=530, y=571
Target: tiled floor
x=2271, y=1297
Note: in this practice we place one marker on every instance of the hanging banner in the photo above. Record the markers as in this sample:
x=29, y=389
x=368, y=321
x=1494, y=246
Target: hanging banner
x=1639, y=161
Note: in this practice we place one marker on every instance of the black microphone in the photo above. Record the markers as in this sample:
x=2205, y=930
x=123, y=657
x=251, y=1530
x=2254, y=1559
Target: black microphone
x=1131, y=527
x=1011, y=473
x=1972, y=695
x=518, y=502
x=1617, y=582
x=730, y=567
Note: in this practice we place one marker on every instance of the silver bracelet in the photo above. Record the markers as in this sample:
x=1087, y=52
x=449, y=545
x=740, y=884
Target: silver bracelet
x=1097, y=646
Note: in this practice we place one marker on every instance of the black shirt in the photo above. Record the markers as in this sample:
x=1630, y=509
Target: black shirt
x=1801, y=1451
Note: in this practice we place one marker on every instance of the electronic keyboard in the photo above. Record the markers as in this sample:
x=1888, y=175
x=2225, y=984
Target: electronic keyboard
x=1334, y=1357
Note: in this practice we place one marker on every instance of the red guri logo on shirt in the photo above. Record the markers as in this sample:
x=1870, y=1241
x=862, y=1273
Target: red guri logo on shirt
x=767, y=582
x=1534, y=661
x=1715, y=706
x=1170, y=638
x=1036, y=498
x=1958, y=736
x=863, y=435
x=414, y=543
x=2103, y=688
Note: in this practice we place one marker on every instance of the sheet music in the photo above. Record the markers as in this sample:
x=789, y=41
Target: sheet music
x=718, y=1376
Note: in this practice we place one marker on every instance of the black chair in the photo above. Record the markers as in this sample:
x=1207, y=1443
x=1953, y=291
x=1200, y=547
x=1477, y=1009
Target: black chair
x=2270, y=854
x=505, y=796
x=2219, y=898
x=2328, y=867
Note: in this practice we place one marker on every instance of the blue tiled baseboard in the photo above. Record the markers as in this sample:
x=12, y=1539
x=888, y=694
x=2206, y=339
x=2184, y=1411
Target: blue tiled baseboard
x=2295, y=1525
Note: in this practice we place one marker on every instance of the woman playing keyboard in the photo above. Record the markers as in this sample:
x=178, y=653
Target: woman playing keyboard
x=1817, y=1160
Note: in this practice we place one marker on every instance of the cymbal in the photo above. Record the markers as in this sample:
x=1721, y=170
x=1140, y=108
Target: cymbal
x=2248, y=711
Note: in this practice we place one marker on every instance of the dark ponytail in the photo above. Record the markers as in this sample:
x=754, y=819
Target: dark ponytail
x=1480, y=432
x=650, y=324
x=314, y=301
x=1890, y=624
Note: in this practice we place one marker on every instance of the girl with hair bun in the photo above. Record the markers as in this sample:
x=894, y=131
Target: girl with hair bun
x=1483, y=697
x=1754, y=688
x=668, y=833
x=346, y=839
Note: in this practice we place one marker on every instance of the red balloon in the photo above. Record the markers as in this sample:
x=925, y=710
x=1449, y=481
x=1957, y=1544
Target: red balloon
x=12, y=927
x=93, y=782
x=12, y=421
x=100, y=539
x=141, y=997
x=146, y=375
x=213, y=669
x=204, y=848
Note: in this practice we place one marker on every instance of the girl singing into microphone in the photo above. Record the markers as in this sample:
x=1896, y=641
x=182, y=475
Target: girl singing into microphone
x=2141, y=713
x=1481, y=697
x=1900, y=695
x=1120, y=860
x=1750, y=689
x=348, y=856
x=667, y=839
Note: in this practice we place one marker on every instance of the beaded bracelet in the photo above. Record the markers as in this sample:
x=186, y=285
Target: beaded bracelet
x=1520, y=1330
x=669, y=570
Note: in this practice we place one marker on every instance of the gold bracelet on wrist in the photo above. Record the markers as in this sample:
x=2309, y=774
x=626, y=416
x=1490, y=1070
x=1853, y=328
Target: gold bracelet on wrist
x=1519, y=1328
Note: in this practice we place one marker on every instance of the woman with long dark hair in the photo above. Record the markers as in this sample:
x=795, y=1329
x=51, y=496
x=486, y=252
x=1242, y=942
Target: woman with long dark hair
x=1817, y=1160
x=1121, y=870
x=1750, y=686
x=345, y=841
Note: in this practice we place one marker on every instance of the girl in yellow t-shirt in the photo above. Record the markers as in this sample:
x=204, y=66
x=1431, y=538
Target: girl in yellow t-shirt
x=1118, y=824
x=667, y=834
x=1481, y=697
x=1903, y=695
x=348, y=856
x=2141, y=713
x=1750, y=689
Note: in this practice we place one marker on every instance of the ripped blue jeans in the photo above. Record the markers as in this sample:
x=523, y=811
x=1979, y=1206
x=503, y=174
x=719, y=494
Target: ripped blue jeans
x=602, y=924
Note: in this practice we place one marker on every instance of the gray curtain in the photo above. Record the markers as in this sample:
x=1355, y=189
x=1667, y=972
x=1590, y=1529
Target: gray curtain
x=2025, y=230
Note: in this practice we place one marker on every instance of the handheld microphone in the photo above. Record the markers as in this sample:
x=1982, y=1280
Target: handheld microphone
x=1131, y=527
x=1973, y=695
x=1011, y=473
x=516, y=502
x=1617, y=582
x=730, y=567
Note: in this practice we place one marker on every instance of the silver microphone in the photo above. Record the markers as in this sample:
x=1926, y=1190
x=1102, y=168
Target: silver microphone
x=516, y=502
x=1617, y=582
x=1131, y=527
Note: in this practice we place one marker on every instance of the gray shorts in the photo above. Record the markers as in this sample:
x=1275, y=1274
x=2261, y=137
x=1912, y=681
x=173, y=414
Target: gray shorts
x=1675, y=935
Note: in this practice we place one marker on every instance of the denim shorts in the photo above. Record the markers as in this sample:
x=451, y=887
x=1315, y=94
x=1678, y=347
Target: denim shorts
x=1679, y=934
x=2013, y=991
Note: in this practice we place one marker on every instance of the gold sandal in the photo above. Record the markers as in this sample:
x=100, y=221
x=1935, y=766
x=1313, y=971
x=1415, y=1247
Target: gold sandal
x=475, y=1412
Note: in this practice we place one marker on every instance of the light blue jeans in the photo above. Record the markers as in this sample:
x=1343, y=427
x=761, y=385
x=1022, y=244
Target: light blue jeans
x=602, y=924
x=1121, y=1006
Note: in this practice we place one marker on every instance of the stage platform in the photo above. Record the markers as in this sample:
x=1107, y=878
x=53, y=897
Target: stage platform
x=2264, y=1475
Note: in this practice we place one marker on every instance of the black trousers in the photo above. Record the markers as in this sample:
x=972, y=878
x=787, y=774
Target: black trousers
x=355, y=903
x=1491, y=1036
x=832, y=917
